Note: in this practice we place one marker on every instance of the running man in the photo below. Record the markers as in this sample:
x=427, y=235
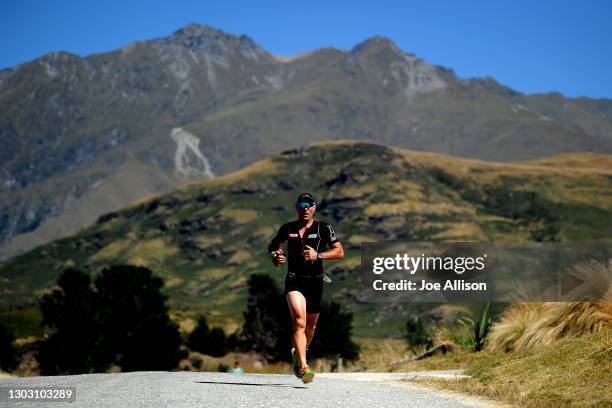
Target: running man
x=307, y=247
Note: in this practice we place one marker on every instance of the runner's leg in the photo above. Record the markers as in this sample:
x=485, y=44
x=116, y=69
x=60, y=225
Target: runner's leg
x=314, y=292
x=311, y=325
x=297, y=306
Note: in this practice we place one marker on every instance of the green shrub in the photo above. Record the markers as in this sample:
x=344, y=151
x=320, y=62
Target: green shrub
x=208, y=341
x=418, y=333
x=478, y=328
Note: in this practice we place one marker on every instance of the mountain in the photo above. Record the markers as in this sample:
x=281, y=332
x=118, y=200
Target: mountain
x=206, y=238
x=84, y=136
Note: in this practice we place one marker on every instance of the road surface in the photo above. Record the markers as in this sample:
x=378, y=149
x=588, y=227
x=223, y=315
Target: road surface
x=190, y=389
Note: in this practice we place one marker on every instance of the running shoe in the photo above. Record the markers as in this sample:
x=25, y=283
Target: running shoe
x=306, y=375
x=296, y=362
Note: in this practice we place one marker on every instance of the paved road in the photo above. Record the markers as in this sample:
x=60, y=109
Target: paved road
x=189, y=389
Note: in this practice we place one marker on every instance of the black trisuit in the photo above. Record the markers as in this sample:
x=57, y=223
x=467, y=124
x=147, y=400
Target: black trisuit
x=305, y=276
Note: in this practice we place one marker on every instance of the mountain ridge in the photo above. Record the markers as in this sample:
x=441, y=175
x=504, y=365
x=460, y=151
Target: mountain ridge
x=67, y=123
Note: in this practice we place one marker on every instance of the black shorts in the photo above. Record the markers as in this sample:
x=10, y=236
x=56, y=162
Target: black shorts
x=310, y=287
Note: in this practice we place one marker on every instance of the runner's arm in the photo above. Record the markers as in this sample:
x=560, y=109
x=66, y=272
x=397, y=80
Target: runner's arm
x=336, y=252
x=278, y=240
x=274, y=247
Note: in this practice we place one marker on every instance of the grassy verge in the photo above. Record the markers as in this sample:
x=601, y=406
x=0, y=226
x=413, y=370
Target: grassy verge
x=392, y=355
x=572, y=373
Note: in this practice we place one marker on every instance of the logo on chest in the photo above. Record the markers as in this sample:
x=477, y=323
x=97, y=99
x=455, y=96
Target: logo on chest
x=312, y=235
x=292, y=235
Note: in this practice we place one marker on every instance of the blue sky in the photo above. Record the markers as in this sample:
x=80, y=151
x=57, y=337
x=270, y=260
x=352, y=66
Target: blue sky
x=531, y=46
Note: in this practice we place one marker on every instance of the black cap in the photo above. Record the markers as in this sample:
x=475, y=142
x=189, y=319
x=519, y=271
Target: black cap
x=305, y=198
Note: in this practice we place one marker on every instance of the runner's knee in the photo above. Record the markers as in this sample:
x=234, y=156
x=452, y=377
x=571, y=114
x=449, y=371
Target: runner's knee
x=299, y=323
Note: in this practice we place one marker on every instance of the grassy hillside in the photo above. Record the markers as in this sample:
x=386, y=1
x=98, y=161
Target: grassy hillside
x=573, y=373
x=206, y=238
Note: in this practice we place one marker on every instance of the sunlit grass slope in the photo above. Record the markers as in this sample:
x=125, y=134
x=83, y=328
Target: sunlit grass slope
x=205, y=238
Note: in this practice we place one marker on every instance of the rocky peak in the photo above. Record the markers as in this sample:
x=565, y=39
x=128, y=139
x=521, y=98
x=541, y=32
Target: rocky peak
x=374, y=44
x=56, y=62
x=194, y=30
x=395, y=68
x=59, y=56
x=207, y=39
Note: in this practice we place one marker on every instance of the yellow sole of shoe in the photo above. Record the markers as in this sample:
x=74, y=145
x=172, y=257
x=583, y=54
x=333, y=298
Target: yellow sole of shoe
x=307, y=378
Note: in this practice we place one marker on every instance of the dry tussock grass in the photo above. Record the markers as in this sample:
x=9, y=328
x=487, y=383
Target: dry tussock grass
x=527, y=325
x=379, y=355
x=5, y=376
x=574, y=372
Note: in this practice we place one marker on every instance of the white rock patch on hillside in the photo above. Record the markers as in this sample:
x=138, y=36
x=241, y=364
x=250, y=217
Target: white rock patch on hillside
x=189, y=162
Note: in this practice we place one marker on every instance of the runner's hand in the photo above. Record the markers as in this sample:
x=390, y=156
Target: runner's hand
x=280, y=258
x=310, y=254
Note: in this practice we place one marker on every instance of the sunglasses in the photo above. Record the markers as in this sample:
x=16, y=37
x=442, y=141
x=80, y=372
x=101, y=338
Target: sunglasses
x=305, y=205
